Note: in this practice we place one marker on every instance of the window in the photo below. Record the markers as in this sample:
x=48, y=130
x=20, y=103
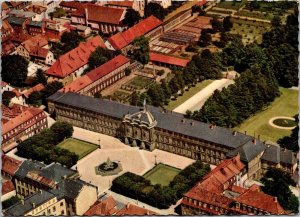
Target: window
x=54, y=209
x=61, y=203
x=62, y=212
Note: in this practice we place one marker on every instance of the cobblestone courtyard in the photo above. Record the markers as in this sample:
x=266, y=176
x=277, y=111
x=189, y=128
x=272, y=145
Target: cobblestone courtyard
x=132, y=159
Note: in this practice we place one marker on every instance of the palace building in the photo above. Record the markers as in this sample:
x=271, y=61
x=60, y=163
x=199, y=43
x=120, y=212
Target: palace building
x=150, y=128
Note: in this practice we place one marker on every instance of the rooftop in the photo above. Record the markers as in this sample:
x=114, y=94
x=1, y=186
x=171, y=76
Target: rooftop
x=163, y=58
x=96, y=74
x=10, y=165
x=122, y=39
x=125, y=3
x=21, y=13
x=38, y=87
x=35, y=42
x=76, y=58
x=18, y=21
x=103, y=14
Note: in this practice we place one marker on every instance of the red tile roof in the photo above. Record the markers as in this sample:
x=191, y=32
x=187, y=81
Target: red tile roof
x=131, y=209
x=7, y=186
x=12, y=111
x=35, y=42
x=103, y=14
x=162, y=58
x=201, y=3
x=105, y=207
x=76, y=58
x=10, y=165
x=39, y=52
x=124, y=3
x=38, y=87
x=71, y=4
x=122, y=39
x=96, y=74
x=261, y=200
x=23, y=117
x=36, y=9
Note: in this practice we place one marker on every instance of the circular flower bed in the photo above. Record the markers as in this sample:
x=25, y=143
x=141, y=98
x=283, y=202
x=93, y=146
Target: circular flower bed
x=283, y=122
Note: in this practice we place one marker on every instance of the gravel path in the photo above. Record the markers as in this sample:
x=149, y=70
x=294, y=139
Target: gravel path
x=198, y=100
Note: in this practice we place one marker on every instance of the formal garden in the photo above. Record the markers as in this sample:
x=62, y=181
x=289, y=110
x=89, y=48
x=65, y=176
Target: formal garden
x=161, y=174
x=160, y=196
x=79, y=147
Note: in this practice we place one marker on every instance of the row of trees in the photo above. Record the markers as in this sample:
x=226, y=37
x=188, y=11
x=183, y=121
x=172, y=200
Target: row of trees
x=252, y=91
x=43, y=146
x=139, y=188
x=291, y=142
x=276, y=183
x=207, y=65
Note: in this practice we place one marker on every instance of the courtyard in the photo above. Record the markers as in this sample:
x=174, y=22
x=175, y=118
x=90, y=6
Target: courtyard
x=132, y=159
x=79, y=147
x=285, y=105
x=161, y=174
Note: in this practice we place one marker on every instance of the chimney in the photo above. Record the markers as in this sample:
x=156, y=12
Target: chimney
x=275, y=199
x=234, y=133
x=222, y=170
x=22, y=201
x=254, y=141
x=127, y=205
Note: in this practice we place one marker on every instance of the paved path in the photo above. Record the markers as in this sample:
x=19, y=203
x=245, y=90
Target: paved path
x=198, y=100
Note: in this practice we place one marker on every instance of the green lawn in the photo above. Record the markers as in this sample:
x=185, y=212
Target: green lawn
x=188, y=94
x=79, y=147
x=285, y=105
x=161, y=174
x=140, y=82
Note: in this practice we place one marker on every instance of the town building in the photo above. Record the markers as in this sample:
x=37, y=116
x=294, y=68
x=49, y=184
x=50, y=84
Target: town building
x=9, y=166
x=167, y=60
x=37, y=88
x=8, y=190
x=39, y=10
x=221, y=192
x=163, y=3
x=100, y=77
x=126, y=4
x=48, y=4
x=6, y=31
x=14, y=96
x=72, y=64
x=149, y=27
x=107, y=205
x=150, y=128
x=19, y=128
x=19, y=25
x=13, y=110
x=99, y=18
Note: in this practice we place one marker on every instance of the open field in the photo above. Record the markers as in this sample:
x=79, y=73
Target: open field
x=79, y=147
x=285, y=105
x=161, y=174
x=188, y=94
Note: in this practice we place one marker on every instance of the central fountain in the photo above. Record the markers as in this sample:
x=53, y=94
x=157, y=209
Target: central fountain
x=108, y=168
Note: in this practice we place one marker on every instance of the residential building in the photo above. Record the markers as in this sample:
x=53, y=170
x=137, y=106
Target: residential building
x=99, y=18
x=9, y=166
x=8, y=190
x=19, y=25
x=163, y=3
x=6, y=31
x=14, y=96
x=167, y=60
x=107, y=205
x=12, y=111
x=26, y=124
x=100, y=77
x=54, y=30
x=48, y=4
x=25, y=14
x=5, y=87
x=39, y=10
x=72, y=64
x=17, y=5
x=4, y=10
x=27, y=47
x=149, y=27
x=126, y=4
x=150, y=128
x=36, y=88
x=35, y=28
x=221, y=192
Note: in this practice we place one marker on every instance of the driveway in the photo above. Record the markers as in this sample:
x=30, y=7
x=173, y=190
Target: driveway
x=197, y=101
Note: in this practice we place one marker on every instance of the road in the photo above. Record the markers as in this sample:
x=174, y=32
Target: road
x=198, y=100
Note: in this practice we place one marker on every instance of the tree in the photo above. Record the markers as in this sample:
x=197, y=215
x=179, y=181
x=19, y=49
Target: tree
x=291, y=142
x=7, y=96
x=217, y=25
x=98, y=95
x=14, y=69
x=276, y=183
x=155, y=9
x=62, y=130
x=100, y=56
x=40, y=77
x=134, y=98
x=52, y=88
x=35, y=98
x=205, y=38
x=127, y=71
x=227, y=24
x=71, y=39
x=141, y=49
x=131, y=17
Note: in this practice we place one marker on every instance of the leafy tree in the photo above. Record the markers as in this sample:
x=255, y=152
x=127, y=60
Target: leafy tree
x=62, y=130
x=276, y=183
x=227, y=24
x=58, y=13
x=127, y=71
x=40, y=77
x=155, y=9
x=155, y=92
x=131, y=17
x=52, y=88
x=217, y=25
x=14, y=69
x=6, y=97
x=134, y=98
x=35, y=98
x=291, y=142
x=141, y=49
x=196, y=8
x=98, y=95
x=205, y=38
